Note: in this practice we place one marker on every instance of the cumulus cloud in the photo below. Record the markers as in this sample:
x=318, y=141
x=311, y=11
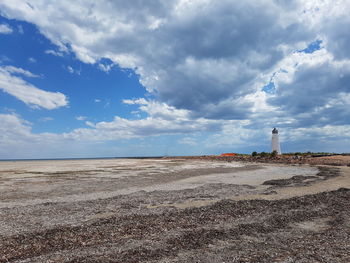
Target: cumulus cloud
x=205, y=62
x=161, y=119
x=14, y=85
x=313, y=91
x=15, y=136
x=5, y=29
x=17, y=140
x=200, y=55
x=13, y=128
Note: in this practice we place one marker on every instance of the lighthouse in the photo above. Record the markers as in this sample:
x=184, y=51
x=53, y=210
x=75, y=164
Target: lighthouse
x=275, y=141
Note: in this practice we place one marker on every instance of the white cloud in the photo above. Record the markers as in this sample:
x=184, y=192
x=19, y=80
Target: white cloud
x=70, y=69
x=5, y=29
x=121, y=128
x=73, y=71
x=15, y=70
x=28, y=93
x=205, y=62
x=13, y=129
x=90, y=124
x=18, y=141
x=164, y=42
x=80, y=118
x=105, y=68
x=161, y=119
x=159, y=110
x=54, y=53
x=140, y=101
x=32, y=60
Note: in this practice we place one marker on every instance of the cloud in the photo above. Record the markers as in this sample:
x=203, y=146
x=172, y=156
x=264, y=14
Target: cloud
x=104, y=67
x=70, y=69
x=20, y=71
x=159, y=110
x=54, y=53
x=161, y=119
x=28, y=93
x=197, y=56
x=80, y=118
x=315, y=92
x=17, y=139
x=13, y=129
x=32, y=60
x=206, y=62
x=73, y=71
x=5, y=29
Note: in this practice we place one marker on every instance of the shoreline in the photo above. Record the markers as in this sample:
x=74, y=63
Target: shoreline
x=79, y=159
x=335, y=159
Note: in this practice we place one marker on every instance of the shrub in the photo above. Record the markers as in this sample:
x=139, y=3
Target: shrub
x=263, y=154
x=274, y=154
x=254, y=154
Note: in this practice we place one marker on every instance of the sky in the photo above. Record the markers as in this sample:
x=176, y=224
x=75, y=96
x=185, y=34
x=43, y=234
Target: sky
x=114, y=78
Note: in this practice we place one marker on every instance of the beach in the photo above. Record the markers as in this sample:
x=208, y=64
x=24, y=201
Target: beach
x=173, y=210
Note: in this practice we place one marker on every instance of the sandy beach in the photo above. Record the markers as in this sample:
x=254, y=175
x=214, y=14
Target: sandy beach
x=173, y=210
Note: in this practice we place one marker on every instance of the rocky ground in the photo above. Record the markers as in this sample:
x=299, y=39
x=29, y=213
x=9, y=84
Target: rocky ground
x=333, y=160
x=203, y=223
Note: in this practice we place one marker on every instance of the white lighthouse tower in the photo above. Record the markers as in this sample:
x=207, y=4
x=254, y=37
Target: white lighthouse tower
x=275, y=141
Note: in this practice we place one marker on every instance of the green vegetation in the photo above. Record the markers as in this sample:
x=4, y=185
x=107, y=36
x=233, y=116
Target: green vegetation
x=264, y=154
x=309, y=153
x=274, y=154
x=300, y=154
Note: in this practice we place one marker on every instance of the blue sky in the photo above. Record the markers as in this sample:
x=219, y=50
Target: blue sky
x=150, y=78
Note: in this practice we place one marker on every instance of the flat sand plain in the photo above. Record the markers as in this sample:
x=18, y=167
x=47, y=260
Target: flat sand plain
x=173, y=210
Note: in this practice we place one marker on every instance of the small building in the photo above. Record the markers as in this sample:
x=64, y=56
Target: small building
x=228, y=154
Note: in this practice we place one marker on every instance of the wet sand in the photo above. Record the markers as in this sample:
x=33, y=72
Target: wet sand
x=173, y=210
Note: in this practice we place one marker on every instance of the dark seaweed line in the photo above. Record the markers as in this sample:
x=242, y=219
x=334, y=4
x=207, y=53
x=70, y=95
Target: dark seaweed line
x=191, y=237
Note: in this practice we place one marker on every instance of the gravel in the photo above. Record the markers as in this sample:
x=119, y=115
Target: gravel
x=165, y=226
x=226, y=231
